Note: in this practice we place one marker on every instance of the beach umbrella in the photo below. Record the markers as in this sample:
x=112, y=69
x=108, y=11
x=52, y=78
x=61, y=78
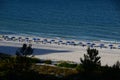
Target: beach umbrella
x=13, y=38
x=83, y=45
x=118, y=46
x=60, y=41
x=19, y=37
x=38, y=39
x=101, y=45
x=80, y=43
x=45, y=40
x=92, y=44
x=88, y=43
x=72, y=43
x=68, y=42
x=27, y=39
x=34, y=39
x=110, y=45
x=6, y=37
x=52, y=40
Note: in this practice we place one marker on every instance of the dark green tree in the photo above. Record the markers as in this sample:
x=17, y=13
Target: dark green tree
x=24, y=50
x=117, y=65
x=21, y=60
x=28, y=50
x=91, y=60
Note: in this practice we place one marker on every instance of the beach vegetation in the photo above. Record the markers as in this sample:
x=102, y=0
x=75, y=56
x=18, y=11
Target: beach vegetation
x=90, y=68
x=4, y=56
x=25, y=50
x=48, y=62
x=117, y=65
x=67, y=65
x=91, y=60
x=21, y=67
x=16, y=68
x=54, y=70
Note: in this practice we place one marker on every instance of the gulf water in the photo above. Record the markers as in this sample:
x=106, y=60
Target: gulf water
x=68, y=19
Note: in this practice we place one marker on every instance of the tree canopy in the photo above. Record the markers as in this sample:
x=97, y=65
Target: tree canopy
x=91, y=59
x=25, y=50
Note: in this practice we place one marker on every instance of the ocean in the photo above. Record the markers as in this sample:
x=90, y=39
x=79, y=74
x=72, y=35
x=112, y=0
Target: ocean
x=93, y=20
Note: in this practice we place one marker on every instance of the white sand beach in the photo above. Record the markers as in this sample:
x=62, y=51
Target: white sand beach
x=61, y=52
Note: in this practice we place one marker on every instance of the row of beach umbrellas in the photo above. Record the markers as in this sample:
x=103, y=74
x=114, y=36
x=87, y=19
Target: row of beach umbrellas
x=89, y=44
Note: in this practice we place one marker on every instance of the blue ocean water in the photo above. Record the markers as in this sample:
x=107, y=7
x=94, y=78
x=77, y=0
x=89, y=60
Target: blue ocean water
x=69, y=19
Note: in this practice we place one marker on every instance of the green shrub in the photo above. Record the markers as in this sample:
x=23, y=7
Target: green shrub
x=67, y=65
x=35, y=60
x=48, y=62
x=80, y=68
x=4, y=56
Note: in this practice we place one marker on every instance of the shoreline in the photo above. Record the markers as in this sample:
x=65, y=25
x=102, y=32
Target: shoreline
x=58, y=52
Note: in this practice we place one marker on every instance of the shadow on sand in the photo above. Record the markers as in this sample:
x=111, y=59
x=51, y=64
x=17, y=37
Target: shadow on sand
x=12, y=50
